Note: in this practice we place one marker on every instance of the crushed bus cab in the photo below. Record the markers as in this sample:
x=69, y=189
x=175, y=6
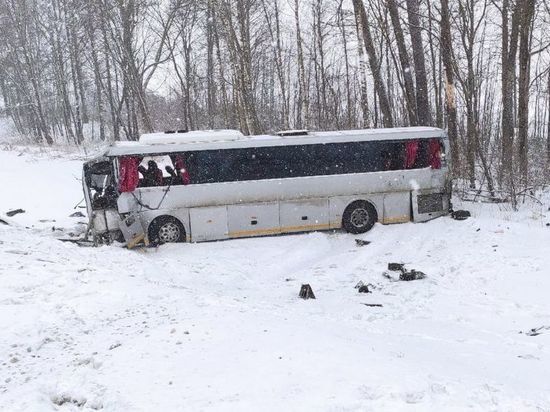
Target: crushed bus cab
x=213, y=185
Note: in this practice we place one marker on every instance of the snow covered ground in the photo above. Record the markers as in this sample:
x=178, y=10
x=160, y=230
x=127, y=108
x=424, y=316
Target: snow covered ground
x=219, y=326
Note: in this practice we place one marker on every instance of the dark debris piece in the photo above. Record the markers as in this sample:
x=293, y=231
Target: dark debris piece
x=373, y=305
x=306, y=292
x=361, y=242
x=77, y=214
x=396, y=267
x=404, y=274
x=536, y=331
x=364, y=289
x=12, y=213
x=407, y=276
x=461, y=214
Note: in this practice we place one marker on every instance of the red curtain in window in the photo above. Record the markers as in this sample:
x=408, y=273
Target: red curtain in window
x=411, y=151
x=181, y=169
x=435, y=154
x=128, y=177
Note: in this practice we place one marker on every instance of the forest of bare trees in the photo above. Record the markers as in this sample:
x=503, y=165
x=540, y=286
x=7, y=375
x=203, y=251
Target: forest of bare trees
x=73, y=71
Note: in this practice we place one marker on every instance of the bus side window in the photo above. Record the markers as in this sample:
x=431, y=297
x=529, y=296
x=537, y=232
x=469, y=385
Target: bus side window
x=435, y=149
x=423, y=158
x=179, y=173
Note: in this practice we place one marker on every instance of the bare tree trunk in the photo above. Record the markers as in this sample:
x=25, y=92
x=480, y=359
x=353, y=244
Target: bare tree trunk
x=97, y=78
x=362, y=72
x=302, y=117
x=349, y=104
x=548, y=131
x=362, y=19
x=211, y=104
x=274, y=26
x=509, y=53
x=239, y=50
x=405, y=63
x=450, y=93
x=528, y=10
x=436, y=68
x=422, y=99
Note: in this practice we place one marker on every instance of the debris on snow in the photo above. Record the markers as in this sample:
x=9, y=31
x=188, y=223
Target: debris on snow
x=404, y=274
x=306, y=292
x=362, y=288
x=460, y=214
x=396, y=267
x=536, y=331
x=412, y=275
x=360, y=242
x=14, y=212
x=77, y=214
x=373, y=305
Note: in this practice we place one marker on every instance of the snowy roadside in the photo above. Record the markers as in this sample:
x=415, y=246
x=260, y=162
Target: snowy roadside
x=218, y=326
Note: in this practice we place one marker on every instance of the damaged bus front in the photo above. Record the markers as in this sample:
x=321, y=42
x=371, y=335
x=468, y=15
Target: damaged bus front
x=100, y=193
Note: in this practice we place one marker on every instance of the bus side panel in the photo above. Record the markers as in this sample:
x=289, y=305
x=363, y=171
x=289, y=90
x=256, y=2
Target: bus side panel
x=208, y=223
x=313, y=187
x=258, y=219
x=397, y=208
x=304, y=215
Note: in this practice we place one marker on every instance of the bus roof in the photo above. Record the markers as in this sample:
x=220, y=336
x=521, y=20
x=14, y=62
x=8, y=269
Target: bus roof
x=161, y=143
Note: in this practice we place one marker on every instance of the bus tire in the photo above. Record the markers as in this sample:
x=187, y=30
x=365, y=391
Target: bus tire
x=359, y=217
x=166, y=229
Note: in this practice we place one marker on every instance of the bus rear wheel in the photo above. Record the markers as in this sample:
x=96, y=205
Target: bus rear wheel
x=359, y=217
x=166, y=229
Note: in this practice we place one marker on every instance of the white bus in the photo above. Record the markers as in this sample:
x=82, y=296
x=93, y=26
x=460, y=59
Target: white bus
x=212, y=185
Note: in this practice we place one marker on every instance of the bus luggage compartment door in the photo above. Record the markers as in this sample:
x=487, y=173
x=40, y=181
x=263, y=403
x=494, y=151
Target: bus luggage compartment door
x=256, y=219
x=304, y=215
x=208, y=223
x=397, y=208
x=429, y=204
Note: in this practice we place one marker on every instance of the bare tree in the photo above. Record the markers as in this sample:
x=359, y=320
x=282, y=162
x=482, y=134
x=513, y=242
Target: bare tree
x=422, y=99
x=363, y=24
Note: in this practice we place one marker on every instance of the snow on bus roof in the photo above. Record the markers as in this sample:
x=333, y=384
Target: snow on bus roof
x=195, y=136
x=155, y=143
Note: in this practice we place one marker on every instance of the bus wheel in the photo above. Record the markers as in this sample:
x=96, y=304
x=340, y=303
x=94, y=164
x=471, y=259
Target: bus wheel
x=359, y=217
x=166, y=229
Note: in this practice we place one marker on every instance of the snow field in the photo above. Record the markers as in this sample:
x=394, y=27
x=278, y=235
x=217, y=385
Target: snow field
x=219, y=326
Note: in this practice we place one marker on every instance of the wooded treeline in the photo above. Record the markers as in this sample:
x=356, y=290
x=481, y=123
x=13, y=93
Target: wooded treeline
x=79, y=70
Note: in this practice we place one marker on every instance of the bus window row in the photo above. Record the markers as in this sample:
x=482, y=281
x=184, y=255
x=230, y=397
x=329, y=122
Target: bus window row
x=310, y=160
x=276, y=162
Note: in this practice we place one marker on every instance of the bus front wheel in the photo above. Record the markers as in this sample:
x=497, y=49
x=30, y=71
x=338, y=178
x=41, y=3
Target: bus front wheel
x=166, y=229
x=359, y=217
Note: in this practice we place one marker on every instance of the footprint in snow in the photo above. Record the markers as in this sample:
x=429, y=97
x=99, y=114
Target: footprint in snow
x=413, y=397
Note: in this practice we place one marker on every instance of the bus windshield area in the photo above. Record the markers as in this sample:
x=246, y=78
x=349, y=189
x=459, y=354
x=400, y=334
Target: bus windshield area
x=100, y=182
